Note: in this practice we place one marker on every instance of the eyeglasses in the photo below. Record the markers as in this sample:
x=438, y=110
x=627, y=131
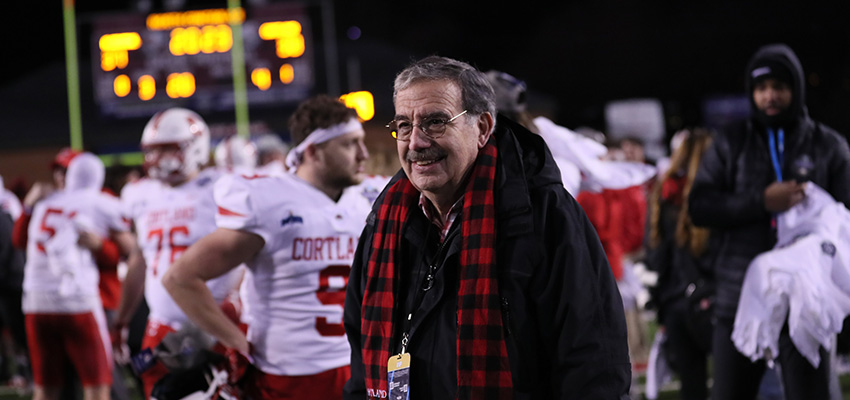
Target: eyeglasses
x=432, y=127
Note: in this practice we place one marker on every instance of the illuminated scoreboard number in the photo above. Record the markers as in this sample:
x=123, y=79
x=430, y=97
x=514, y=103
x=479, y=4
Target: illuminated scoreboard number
x=143, y=63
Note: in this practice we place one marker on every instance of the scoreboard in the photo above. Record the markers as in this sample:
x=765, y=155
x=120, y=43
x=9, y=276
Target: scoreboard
x=143, y=63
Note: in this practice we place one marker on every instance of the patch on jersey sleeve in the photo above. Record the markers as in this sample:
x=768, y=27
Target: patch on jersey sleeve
x=828, y=248
x=291, y=219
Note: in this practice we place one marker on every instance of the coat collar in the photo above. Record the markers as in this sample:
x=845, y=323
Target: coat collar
x=524, y=164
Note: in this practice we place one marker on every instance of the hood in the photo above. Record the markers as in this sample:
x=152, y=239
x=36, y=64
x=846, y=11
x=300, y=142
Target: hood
x=525, y=153
x=783, y=55
x=85, y=172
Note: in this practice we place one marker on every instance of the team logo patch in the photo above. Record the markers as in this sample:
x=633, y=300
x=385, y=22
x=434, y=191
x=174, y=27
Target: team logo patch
x=370, y=193
x=828, y=248
x=291, y=219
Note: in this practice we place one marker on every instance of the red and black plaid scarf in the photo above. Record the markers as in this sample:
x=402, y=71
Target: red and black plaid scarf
x=480, y=338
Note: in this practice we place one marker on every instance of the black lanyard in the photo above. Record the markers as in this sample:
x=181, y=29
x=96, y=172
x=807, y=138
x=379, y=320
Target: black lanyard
x=421, y=288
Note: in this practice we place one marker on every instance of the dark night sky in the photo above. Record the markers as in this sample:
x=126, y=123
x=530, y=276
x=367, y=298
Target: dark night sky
x=585, y=53
x=577, y=55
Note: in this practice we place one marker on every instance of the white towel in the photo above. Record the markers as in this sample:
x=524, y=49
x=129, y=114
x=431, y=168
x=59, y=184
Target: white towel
x=805, y=279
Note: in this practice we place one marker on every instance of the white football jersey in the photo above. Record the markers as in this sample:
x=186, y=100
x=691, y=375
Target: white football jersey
x=168, y=220
x=273, y=168
x=59, y=275
x=294, y=289
x=9, y=203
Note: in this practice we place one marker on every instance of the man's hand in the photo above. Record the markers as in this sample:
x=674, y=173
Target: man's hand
x=780, y=196
x=38, y=191
x=120, y=351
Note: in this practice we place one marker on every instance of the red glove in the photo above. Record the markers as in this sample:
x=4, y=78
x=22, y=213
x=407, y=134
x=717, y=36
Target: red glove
x=237, y=364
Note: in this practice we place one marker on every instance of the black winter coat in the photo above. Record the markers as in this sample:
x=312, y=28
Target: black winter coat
x=563, y=315
x=728, y=192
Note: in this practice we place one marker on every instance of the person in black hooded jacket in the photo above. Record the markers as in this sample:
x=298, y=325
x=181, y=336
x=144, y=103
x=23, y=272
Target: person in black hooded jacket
x=753, y=171
x=557, y=329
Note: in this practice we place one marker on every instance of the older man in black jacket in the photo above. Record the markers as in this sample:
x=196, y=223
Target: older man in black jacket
x=753, y=172
x=476, y=264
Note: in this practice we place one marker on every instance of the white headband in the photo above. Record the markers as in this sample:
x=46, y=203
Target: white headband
x=321, y=135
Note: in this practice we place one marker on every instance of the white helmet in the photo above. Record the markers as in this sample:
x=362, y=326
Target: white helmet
x=236, y=152
x=184, y=128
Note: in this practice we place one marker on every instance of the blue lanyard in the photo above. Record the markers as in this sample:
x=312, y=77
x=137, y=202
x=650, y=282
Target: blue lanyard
x=777, y=154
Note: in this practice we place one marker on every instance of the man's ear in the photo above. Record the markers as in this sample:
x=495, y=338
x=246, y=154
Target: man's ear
x=485, y=128
x=310, y=152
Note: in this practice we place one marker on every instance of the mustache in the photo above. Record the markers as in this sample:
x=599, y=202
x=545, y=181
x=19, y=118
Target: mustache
x=431, y=153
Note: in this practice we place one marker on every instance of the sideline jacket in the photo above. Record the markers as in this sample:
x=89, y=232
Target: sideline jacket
x=619, y=217
x=561, y=310
x=728, y=192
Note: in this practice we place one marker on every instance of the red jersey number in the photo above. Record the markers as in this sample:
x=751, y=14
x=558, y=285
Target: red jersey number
x=332, y=295
x=176, y=249
x=47, y=227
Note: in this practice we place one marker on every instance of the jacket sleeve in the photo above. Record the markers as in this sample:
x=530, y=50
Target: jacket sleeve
x=604, y=213
x=634, y=218
x=581, y=314
x=839, y=172
x=713, y=202
x=355, y=388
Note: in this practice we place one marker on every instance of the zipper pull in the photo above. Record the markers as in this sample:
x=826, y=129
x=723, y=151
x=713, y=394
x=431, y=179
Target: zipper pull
x=429, y=279
x=404, y=337
x=506, y=317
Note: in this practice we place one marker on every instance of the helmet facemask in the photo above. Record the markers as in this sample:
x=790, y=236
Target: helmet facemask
x=166, y=162
x=176, y=144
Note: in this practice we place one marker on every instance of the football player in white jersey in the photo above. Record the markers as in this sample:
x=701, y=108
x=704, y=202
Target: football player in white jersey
x=171, y=210
x=235, y=154
x=297, y=234
x=271, y=154
x=65, y=320
x=9, y=203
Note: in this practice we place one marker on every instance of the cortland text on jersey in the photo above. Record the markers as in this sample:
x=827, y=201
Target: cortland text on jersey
x=177, y=215
x=330, y=248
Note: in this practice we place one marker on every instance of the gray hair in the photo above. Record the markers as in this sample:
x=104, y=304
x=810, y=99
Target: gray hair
x=477, y=96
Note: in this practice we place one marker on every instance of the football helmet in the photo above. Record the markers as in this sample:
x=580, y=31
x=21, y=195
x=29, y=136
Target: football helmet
x=195, y=371
x=63, y=158
x=236, y=152
x=510, y=92
x=270, y=147
x=180, y=128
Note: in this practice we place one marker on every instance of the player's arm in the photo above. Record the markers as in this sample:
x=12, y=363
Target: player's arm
x=38, y=191
x=133, y=287
x=132, y=291
x=212, y=256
